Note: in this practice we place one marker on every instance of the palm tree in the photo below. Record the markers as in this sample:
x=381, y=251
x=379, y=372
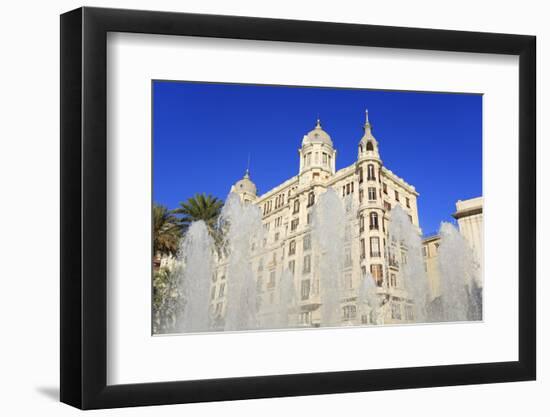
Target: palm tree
x=166, y=232
x=200, y=207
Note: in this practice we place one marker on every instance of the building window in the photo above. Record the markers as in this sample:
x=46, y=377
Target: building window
x=294, y=224
x=347, y=233
x=348, y=186
x=396, y=195
x=410, y=218
x=372, y=194
x=305, y=318
x=307, y=264
x=347, y=259
x=424, y=251
x=361, y=194
x=296, y=206
x=276, y=236
x=362, y=245
x=271, y=282
x=370, y=147
x=360, y=175
x=292, y=247
x=307, y=242
x=219, y=307
x=370, y=173
x=409, y=315
x=304, y=289
x=385, y=188
x=325, y=158
x=392, y=261
x=222, y=290
x=387, y=206
x=375, y=247
x=376, y=272
x=348, y=281
x=259, y=284
x=361, y=223
x=393, y=280
x=373, y=217
x=311, y=199
x=292, y=266
x=408, y=202
x=349, y=312
x=396, y=311
x=308, y=218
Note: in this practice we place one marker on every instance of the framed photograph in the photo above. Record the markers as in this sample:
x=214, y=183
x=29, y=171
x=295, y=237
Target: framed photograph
x=260, y=208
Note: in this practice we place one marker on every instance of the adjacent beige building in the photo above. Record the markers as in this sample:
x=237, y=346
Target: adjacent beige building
x=287, y=219
x=469, y=217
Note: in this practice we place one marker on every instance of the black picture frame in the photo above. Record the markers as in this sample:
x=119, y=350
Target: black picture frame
x=84, y=207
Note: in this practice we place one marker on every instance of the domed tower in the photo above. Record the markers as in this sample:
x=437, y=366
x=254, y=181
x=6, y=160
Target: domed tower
x=245, y=188
x=317, y=155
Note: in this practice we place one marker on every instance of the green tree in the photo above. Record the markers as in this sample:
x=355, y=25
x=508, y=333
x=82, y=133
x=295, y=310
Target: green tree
x=166, y=231
x=200, y=207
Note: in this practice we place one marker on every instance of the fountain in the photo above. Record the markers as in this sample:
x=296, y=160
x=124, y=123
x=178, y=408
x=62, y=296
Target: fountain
x=405, y=244
x=460, y=284
x=195, y=254
x=367, y=299
x=333, y=222
x=242, y=225
x=329, y=224
x=287, y=305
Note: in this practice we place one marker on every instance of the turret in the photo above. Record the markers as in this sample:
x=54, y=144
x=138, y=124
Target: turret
x=317, y=154
x=245, y=188
x=368, y=146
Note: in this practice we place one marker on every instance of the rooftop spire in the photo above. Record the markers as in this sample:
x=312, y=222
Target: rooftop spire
x=318, y=124
x=367, y=126
x=247, y=172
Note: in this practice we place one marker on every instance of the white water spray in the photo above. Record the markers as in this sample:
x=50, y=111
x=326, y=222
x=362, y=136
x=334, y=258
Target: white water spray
x=196, y=254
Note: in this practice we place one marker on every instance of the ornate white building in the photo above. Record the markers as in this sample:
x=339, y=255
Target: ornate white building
x=287, y=218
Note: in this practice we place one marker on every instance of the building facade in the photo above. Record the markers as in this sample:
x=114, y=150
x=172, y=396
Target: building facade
x=469, y=217
x=287, y=212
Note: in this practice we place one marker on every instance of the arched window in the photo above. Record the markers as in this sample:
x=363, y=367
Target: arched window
x=360, y=148
x=374, y=221
x=370, y=172
x=370, y=147
x=296, y=206
x=310, y=199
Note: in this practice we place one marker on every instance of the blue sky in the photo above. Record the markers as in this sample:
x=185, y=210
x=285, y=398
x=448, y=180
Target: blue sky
x=204, y=132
